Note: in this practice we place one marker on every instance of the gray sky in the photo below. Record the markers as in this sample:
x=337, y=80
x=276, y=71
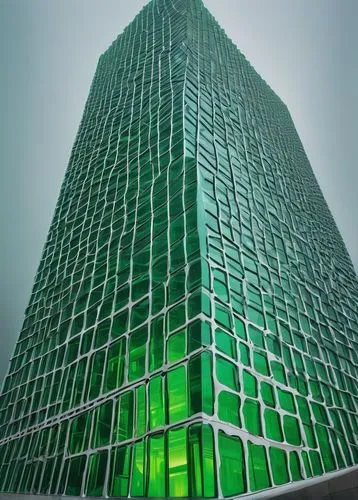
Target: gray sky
x=304, y=49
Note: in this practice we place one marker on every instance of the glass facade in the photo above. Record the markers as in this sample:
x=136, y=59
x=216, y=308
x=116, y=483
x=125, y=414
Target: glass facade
x=193, y=326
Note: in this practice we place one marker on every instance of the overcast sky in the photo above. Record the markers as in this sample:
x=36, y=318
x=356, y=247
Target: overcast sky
x=304, y=49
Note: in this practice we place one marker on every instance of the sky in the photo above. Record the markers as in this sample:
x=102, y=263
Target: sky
x=304, y=49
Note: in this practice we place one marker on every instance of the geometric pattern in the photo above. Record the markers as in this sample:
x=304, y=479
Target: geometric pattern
x=193, y=326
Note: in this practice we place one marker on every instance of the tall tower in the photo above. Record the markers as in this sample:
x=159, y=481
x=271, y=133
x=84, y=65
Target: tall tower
x=193, y=326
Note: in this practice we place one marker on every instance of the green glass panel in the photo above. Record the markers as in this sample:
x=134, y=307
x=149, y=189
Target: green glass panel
x=229, y=408
x=176, y=289
x=291, y=430
x=63, y=434
x=252, y=417
x=261, y=364
x=158, y=298
x=273, y=345
x=227, y=373
x=273, y=425
x=278, y=372
x=306, y=464
x=206, y=305
x=326, y=448
x=258, y=467
x=177, y=394
x=202, y=461
x=47, y=475
x=286, y=401
x=96, y=374
x=176, y=347
x=240, y=329
x=310, y=436
x=344, y=447
x=79, y=433
x=199, y=335
x=125, y=416
x=220, y=285
x=156, y=466
x=156, y=345
x=222, y=316
x=75, y=473
x=244, y=354
x=115, y=366
x=120, y=472
x=278, y=460
x=225, y=343
x=59, y=485
x=102, y=333
x=138, y=470
x=201, y=384
x=178, y=463
x=79, y=383
x=337, y=451
x=176, y=317
x=156, y=403
x=255, y=316
x=11, y=473
x=256, y=336
x=96, y=474
x=316, y=463
x=140, y=408
x=67, y=392
x=72, y=351
x=250, y=384
x=232, y=465
x=267, y=394
x=137, y=353
x=102, y=428
x=295, y=467
x=120, y=324
x=139, y=313
x=285, y=333
x=303, y=410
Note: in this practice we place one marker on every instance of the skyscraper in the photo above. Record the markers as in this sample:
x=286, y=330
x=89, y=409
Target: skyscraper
x=192, y=330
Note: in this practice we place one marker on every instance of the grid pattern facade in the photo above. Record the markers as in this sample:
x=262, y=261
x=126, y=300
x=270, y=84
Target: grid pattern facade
x=192, y=330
